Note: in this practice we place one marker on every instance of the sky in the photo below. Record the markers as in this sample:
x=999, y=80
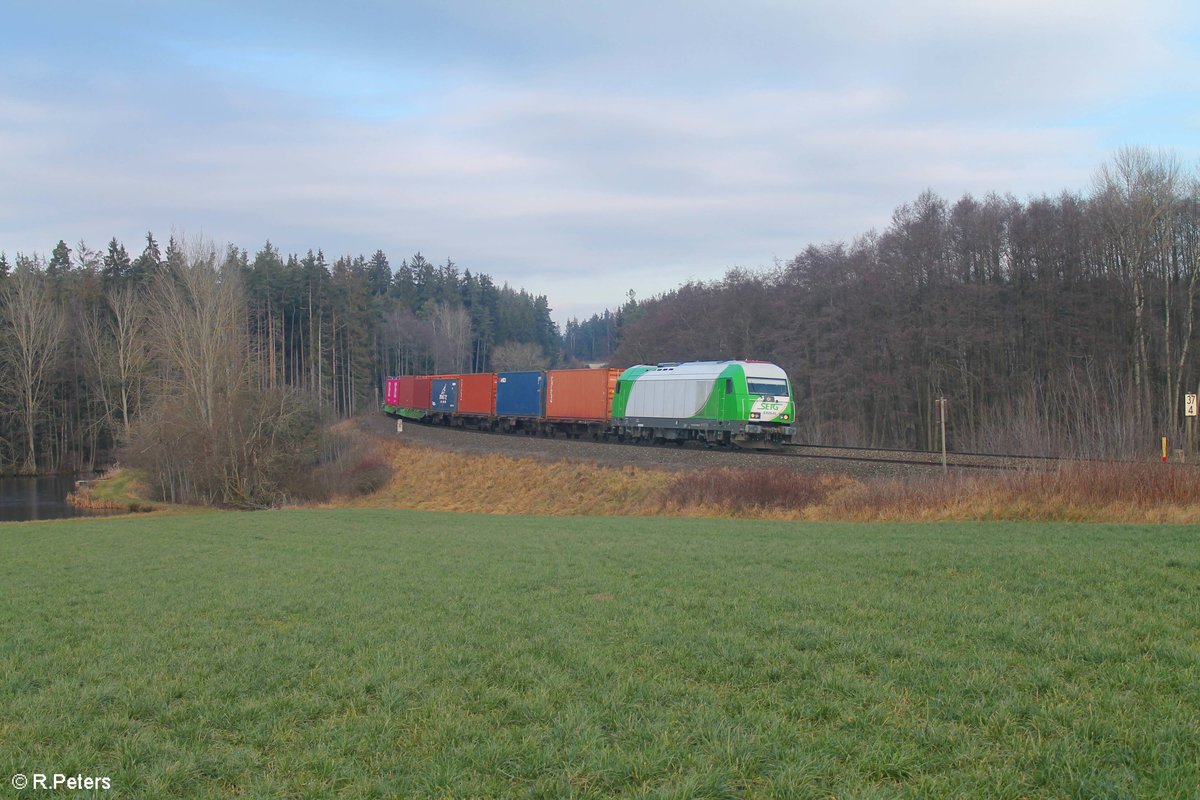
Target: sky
x=580, y=150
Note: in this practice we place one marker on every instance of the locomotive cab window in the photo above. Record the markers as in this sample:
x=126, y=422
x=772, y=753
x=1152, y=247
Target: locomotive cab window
x=729, y=386
x=766, y=386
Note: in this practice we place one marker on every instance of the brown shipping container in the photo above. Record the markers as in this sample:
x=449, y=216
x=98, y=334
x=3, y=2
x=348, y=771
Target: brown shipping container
x=421, y=388
x=582, y=394
x=477, y=393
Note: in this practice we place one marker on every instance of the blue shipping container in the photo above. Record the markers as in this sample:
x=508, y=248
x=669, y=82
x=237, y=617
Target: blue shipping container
x=520, y=394
x=443, y=394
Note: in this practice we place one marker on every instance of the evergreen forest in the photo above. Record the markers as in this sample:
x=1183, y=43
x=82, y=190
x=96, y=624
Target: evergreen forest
x=92, y=339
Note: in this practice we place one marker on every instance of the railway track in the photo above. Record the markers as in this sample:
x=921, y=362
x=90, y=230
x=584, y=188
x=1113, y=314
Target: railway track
x=919, y=458
x=862, y=461
x=865, y=456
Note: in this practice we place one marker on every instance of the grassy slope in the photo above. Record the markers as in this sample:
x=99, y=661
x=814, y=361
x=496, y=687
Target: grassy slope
x=384, y=653
x=437, y=480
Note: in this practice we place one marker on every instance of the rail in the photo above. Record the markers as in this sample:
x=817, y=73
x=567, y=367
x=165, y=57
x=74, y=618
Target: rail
x=920, y=458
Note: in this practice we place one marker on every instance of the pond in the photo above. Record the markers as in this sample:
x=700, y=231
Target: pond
x=38, y=498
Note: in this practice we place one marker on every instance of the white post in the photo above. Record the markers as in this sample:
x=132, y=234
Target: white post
x=942, y=414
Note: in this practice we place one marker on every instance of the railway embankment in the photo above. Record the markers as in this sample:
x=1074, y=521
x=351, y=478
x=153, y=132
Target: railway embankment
x=454, y=470
x=433, y=468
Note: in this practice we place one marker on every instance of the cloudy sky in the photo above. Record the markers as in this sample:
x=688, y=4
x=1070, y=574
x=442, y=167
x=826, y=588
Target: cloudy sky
x=579, y=150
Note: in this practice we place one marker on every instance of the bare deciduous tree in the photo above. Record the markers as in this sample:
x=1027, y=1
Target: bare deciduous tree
x=452, y=343
x=197, y=321
x=118, y=354
x=214, y=434
x=512, y=356
x=34, y=328
x=1136, y=194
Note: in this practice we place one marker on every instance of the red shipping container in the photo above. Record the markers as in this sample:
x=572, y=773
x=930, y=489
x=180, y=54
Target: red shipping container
x=390, y=391
x=477, y=393
x=414, y=392
x=580, y=394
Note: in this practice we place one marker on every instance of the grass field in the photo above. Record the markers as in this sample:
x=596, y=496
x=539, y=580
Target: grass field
x=374, y=653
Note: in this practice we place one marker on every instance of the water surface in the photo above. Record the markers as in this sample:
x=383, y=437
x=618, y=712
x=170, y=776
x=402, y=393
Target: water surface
x=38, y=498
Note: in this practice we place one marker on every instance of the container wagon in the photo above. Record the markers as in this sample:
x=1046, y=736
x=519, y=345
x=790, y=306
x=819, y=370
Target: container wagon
x=520, y=400
x=407, y=396
x=579, y=401
x=477, y=395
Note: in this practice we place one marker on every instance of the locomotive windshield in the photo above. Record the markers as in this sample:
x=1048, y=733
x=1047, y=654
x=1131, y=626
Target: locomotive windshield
x=767, y=386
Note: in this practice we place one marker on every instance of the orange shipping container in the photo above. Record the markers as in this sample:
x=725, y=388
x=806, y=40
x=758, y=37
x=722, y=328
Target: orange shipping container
x=582, y=394
x=477, y=393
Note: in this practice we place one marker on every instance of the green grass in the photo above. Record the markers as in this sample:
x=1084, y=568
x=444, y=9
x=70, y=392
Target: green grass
x=120, y=490
x=406, y=654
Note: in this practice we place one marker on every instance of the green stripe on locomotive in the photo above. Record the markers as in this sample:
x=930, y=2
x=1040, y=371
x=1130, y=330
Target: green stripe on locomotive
x=728, y=400
x=624, y=385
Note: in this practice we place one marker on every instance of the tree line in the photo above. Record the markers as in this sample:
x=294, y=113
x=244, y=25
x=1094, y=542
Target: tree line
x=91, y=341
x=1061, y=324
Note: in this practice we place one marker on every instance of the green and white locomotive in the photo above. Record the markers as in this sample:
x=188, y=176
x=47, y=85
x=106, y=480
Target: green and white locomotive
x=741, y=403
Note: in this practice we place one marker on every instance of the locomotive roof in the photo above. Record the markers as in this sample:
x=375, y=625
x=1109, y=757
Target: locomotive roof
x=710, y=369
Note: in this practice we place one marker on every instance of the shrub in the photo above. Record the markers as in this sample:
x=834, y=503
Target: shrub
x=260, y=441
x=737, y=490
x=351, y=465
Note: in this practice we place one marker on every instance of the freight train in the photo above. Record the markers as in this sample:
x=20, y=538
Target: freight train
x=740, y=403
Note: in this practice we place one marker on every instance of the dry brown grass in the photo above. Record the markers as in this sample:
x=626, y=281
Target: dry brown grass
x=777, y=492
x=493, y=484
x=426, y=478
x=1093, y=492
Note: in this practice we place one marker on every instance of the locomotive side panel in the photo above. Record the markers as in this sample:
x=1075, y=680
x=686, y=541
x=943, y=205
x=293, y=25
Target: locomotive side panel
x=703, y=390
